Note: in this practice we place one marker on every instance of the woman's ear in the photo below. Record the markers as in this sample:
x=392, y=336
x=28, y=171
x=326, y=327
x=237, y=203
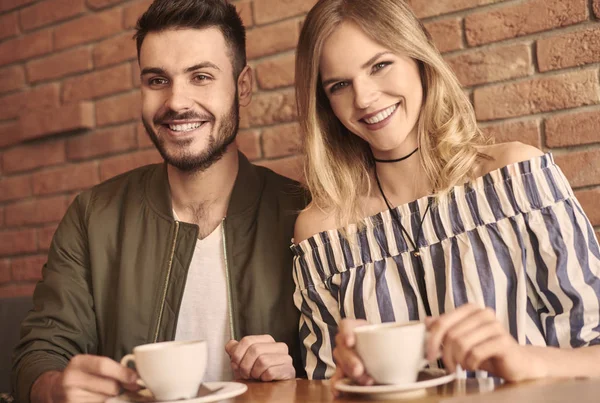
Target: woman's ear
x=244, y=85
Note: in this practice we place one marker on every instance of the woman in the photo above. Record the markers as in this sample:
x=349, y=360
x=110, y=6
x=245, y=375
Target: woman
x=416, y=217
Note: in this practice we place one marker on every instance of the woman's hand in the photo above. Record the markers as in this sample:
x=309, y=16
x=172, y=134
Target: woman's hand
x=348, y=364
x=473, y=338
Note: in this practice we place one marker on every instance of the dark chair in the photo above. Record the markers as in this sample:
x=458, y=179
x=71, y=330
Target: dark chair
x=12, y=312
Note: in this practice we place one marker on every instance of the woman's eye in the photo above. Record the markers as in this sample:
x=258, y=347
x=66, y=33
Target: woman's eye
x=380, y=65
x=338, y=86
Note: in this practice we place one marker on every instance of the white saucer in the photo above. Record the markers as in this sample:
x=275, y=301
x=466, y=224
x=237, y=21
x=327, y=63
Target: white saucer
x=434, y=377
x=228, y=390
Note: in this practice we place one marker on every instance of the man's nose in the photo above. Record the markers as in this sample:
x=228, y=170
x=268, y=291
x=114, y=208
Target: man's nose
x=179, y=98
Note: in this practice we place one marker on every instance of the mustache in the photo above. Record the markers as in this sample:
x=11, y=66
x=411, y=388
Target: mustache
x=187, y=115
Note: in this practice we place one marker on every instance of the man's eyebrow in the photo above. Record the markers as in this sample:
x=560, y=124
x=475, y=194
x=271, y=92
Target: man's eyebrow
x=158, y=70
x=364, y=66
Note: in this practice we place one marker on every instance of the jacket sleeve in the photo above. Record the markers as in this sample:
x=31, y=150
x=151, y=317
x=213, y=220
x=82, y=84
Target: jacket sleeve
x=62, y=322
x=319, y=317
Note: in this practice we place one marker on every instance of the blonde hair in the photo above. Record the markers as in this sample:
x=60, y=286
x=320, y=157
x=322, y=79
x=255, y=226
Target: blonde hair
x=337, y=163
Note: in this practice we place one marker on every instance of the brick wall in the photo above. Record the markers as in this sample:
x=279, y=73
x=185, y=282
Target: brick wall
x=69, y=97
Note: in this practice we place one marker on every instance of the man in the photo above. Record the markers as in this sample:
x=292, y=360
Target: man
x=194, y=248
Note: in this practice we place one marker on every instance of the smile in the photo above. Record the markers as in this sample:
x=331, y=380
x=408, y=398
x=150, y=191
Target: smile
x=381, y=116
x=185, y=127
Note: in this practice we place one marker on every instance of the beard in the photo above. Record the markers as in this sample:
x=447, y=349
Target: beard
x=180, y=155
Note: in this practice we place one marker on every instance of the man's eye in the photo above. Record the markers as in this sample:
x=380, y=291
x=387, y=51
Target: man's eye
x=201, y=77
x=338, y=86
x=157, y=81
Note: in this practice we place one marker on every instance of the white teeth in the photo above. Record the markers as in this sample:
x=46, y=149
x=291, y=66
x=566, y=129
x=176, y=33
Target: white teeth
x=185, y=127
x=381, y=115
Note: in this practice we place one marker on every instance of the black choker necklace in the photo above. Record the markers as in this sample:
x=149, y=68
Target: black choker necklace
x=398, y=159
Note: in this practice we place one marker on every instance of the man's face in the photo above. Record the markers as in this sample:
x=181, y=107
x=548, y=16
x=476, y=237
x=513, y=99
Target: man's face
x=189, y=96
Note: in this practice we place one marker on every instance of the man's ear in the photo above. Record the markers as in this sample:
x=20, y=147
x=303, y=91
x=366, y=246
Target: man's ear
x=245, y=84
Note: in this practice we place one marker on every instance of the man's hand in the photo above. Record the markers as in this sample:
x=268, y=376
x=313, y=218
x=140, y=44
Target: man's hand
x=473, y=338
x=87, y=378
x=260, y=358
x=348, y=363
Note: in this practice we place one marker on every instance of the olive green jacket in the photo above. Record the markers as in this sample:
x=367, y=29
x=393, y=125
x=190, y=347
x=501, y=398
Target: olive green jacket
x=118, y=264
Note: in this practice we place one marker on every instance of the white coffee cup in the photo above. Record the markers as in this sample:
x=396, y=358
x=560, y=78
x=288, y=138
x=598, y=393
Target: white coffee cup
x=171, y=370
x=393, y=353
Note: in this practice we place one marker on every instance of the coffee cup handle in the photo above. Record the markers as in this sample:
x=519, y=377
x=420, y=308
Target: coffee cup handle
x=125, y=362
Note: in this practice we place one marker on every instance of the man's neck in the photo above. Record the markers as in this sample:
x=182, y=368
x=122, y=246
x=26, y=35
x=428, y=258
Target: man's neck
x=202, y=198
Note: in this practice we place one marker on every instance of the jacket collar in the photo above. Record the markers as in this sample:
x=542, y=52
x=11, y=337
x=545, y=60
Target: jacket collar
x=245, y=194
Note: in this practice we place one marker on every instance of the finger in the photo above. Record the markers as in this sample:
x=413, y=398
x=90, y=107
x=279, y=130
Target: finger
x=104, y=367
x=83, y=396
x=266, y=361
x=461, y=347
x=348, y=361
x=257, y=350
x=437, y=331
x=337, y=376
x=74, y=380
x=346, y=331
x=492, y=347
x=230, y=347
x=246, y=342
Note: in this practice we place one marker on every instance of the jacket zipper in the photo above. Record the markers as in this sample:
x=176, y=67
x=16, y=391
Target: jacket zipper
x=227, y=278
x=164, y=297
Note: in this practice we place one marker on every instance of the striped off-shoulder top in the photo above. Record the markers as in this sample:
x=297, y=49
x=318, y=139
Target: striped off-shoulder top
x=515, y=240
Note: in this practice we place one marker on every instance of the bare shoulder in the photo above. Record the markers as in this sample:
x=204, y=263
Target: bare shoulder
x=504, y=154
x=311, y=221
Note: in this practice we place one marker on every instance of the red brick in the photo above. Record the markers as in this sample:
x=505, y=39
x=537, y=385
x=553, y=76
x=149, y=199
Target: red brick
x=122, y=108
x=272, y=39
x=45, y=235
x=269, y=108
x=490, y=65
x=102, y=142
x=543, y=94
x=1, y=217
x=446, y=34
x=98, y=83
x=31, y=156
x=290, y=167
x=25, y=47
x=248, y=142
x=15, y=187
x=9, y=25
x=573, y=129
x=527, y=132
x=582, y=168
x=5, y=276
x=135, y=74
x=6, y=5
x=143, y=140
x=281, y=140
x=589, y=202
x=16, y=290
x=28, y=268
x=267, y=11
x=276, y=73
x=244, y=9
x=88, y=28
x=115, y=50
x=597, y=8
x=66, y=178
x=98, y=4
x=42, y=96
x=430, y=8
x=523, y=18
x=9, y=134
x=39, y=211
x=50, y=11
x=17, y=241
x=568, y=50
x=57, y=120
x=133, y=12
x=12, y=78
x=117, y=165
x=60, y=64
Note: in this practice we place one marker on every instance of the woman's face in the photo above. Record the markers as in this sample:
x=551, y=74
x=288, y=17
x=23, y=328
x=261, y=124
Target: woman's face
x=374, y=92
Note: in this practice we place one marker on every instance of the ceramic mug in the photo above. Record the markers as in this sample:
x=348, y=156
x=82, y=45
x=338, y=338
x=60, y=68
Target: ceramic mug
x=392, y=353
x=171, y=370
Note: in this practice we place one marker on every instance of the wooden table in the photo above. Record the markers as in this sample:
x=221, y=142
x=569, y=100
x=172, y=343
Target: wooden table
x=458, y=391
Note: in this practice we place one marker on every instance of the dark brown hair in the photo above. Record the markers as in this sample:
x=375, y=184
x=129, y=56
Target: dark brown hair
x=196, y=14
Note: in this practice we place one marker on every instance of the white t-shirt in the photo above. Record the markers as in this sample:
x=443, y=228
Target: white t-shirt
x=204, y=312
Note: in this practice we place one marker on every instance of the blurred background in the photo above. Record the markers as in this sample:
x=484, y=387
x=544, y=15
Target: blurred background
x=70, y=102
